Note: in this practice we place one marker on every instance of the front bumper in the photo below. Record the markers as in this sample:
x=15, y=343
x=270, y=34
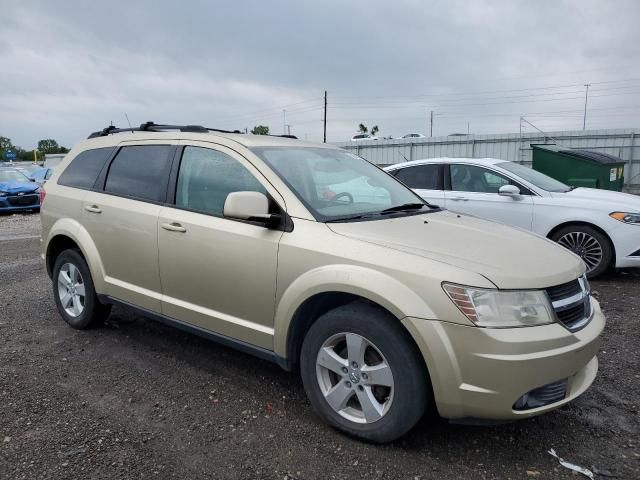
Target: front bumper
x=626, y=242
x=482, y=372
x=14, y=203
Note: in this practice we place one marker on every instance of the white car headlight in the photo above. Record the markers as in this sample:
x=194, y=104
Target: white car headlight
x=501, y=308
x=626, y=217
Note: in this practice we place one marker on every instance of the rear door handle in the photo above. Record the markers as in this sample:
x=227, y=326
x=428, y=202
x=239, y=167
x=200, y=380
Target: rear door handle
x=173, y=227
x=460, y=199
x=92, y=208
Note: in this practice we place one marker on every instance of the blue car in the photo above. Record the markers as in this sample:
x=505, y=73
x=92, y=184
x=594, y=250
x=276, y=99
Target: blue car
x=17, y=191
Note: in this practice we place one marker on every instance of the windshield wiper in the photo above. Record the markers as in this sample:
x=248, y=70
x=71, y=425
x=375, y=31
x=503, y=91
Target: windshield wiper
x=404, y=206
x=347, y=219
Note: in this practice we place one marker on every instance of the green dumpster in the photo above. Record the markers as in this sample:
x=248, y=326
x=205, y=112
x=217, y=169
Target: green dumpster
x=579, y=167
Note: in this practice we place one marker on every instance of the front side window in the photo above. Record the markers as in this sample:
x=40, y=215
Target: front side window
x=140, y=171
x=472, y=178
x=425, y=177
x=337, y=185
x=207, y=177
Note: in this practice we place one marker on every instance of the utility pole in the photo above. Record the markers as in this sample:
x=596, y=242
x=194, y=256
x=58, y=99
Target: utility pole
x=586, y=96
x=431, y=124
x=284, y=122
x=325, y=118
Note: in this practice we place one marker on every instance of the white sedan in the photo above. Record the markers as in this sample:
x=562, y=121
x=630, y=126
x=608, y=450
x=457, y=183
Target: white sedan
x=600, y=226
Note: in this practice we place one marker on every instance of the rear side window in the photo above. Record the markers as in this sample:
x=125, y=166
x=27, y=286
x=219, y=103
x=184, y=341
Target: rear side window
x=83, y=170
x=140, y=171
x=426, y=177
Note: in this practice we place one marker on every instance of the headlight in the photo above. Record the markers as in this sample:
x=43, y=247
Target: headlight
x=633, y=218
x=501, y=309
x=4, y=194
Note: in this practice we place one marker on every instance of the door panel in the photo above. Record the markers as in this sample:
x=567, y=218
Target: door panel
x=474, y=191
x=125, y=233
x=123, y=220
x=217, y=273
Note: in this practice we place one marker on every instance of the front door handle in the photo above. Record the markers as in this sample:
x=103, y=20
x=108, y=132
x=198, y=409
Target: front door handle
x=92, y=208
x=174, y=227
x=460, y=199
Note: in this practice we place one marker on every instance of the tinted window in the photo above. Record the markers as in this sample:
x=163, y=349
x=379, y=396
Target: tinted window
x=207, y=177
x=426, y=177
x=83, y=170
x=140, y=171
x=471, y=178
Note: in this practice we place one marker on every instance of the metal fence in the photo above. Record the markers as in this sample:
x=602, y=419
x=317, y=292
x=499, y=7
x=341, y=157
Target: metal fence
x=514, y=147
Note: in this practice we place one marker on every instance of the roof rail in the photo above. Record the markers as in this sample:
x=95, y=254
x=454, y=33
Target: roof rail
x=154, y=127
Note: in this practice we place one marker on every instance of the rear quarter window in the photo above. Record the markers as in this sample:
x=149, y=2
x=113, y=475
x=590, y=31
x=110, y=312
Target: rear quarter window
x=84, y=169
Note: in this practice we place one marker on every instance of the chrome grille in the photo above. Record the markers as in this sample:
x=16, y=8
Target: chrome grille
x=572, y=304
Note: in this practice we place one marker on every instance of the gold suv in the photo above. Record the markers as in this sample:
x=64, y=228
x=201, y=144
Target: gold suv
x=310, y=256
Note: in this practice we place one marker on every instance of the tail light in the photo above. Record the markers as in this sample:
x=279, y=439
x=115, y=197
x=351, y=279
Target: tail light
x=43, y=194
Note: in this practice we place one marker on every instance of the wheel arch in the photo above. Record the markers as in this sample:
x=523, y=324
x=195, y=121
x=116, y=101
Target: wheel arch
x=67, y=233
x=582, y=223
x=324, y=289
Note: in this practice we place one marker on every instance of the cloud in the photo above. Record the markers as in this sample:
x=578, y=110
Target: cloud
x=72, y=67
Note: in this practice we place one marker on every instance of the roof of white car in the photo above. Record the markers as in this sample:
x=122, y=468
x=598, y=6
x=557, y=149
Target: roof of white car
x=473, y=161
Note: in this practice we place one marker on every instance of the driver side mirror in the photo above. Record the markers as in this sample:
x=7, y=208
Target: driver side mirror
x=252, y=206
x=509, y=191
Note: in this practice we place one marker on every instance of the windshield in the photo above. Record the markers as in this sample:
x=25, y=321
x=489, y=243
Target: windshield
x=12, y=176
x=534, y=177
x=336, y=185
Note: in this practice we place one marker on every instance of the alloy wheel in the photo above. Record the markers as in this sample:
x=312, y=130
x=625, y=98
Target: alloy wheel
x=585, y=246
x=71, y=290
x=355, y=378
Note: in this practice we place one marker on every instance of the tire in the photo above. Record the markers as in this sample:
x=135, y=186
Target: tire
x=391, y=410
x=71, y=278
x=589, y=244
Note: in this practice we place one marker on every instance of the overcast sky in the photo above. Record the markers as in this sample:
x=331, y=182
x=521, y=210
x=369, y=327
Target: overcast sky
x=71, y=67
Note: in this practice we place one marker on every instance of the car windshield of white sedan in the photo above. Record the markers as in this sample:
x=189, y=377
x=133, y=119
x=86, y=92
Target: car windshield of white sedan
x=534, y=177
x=338, y=186
x=12, y=176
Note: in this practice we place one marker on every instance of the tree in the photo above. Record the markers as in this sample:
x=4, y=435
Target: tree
x=374, y=130
x=362, y=128
x=48, y=145
x=5, y=143
x=260, y=130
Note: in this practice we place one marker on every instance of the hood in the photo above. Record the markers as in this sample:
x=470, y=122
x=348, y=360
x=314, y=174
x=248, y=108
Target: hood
x=18, y=187
x=509, y=257
x=616, y=200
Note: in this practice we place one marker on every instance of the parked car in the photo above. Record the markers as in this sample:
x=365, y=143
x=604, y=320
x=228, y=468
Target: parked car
x=17, y=191
x=42, y=174
x=386, y=305
x=363, y=136
x=413, y=135
x=601, y=227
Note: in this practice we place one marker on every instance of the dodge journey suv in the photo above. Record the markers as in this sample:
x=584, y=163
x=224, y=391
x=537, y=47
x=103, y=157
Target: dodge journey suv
x=312, y=257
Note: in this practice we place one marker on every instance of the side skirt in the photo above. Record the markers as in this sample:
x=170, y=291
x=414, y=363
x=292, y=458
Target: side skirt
x=201, y=332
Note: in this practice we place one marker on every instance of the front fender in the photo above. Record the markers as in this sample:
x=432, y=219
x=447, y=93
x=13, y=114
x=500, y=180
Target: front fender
x=75, y=231
x=373, y=285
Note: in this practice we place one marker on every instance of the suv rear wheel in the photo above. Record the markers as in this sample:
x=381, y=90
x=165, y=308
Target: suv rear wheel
x=74, y=293
x=362, y=373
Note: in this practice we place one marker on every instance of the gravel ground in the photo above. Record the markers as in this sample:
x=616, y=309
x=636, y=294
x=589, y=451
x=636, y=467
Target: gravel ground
x=135, y=399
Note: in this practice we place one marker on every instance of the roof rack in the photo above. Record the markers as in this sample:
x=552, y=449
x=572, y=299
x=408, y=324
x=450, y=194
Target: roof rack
x=154, y=127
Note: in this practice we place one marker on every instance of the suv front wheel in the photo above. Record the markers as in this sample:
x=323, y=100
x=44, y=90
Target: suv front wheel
x=74, y=293
x=362, y=373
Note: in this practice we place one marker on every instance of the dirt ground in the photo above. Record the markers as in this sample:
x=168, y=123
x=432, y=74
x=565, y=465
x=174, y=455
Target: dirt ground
x=135, y=399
